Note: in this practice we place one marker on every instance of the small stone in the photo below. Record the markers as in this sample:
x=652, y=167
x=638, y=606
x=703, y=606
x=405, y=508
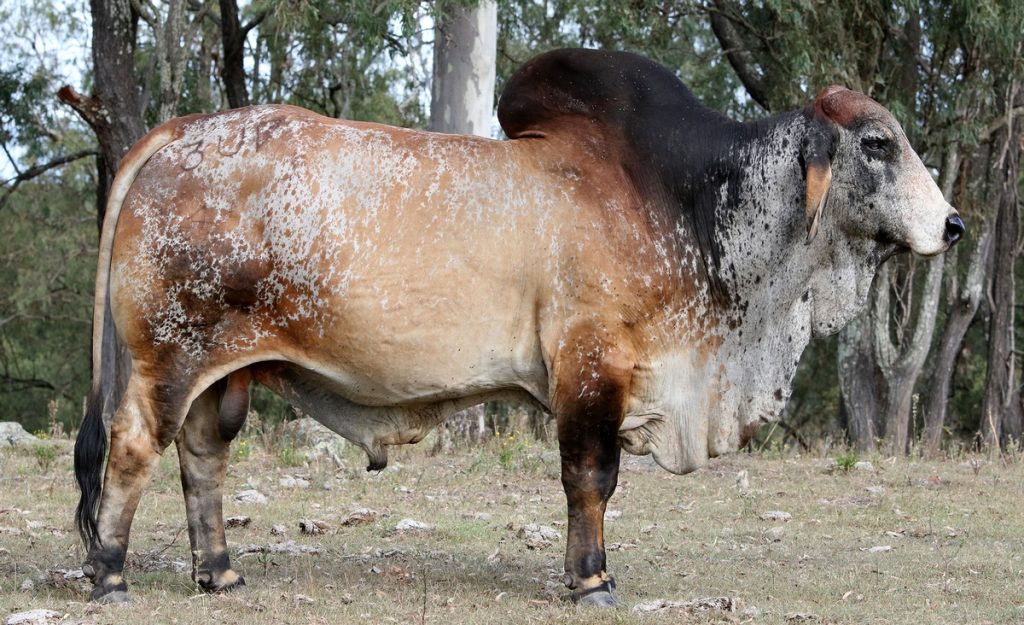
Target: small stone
x=33, y=617
x=293, y=482
x=237, y=521
x=775, y=533
x=312, y=527
x=801, y=616
x=538, y=536
x=279, y=529
x=875, y=490
x=611, y=515
x=776, y=515
x=877, y=549
x=250, y=496
x=360, y=516
x=288, y=547
x=27, y=585
x=406, y=525
x=743, y=481
x=864, y=465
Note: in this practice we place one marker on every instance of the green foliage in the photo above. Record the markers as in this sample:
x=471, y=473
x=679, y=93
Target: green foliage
x=46, y=282
x=846, y=461
x=241, y=450
x=290, y=456
x=510, y=447
x=45, y=455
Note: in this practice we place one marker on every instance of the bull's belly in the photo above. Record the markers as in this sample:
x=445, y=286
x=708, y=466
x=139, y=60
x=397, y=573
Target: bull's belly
x=329, y=400
x=383, y=375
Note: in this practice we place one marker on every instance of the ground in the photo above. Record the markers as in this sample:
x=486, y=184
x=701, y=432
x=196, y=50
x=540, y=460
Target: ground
x=900, y=541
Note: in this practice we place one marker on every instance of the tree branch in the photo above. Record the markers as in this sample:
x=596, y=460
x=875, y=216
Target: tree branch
x=88, y=108
x=12, y=385
x=739, y=57
x=38, y=170
x=996, y=125
x=255, y=21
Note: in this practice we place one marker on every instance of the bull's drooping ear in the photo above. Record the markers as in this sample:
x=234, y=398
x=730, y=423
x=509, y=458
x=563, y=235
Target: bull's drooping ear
x=816, y=152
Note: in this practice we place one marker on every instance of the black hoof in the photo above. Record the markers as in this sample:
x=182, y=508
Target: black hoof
x=110, y=597
x=599, y=599
x=598, y=596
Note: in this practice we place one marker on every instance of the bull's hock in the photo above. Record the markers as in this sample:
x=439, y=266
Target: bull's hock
x=644, y=268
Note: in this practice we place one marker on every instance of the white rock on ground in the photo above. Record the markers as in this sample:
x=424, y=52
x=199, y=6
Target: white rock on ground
x=411, y=524
x=33, y=617
x=776, y=515
x=535, y=534
x=12, y=434
x=250, y=496
x=293, y=482
x=703, y=604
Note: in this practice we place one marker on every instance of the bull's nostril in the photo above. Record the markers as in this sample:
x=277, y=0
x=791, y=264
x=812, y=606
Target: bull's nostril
x=955, y=229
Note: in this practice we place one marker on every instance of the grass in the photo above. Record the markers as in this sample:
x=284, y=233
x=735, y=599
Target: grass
x=955, y=530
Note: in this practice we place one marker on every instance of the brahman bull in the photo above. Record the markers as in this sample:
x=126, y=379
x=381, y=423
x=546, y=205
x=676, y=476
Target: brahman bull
x=644, y=268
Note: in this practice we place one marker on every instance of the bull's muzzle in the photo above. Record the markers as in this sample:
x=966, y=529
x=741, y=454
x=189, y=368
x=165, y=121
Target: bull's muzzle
x=955, y=229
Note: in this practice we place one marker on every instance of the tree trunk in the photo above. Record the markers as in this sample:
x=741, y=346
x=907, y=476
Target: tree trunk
x=963, y=307
x=114, y=111
x=1000, y=381
x=170, y=59
x=233, y=71
x=900, y=363
x=961, y=314
x=859, y=384
x=465, y=51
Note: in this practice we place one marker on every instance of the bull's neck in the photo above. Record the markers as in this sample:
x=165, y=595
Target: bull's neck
x=777, y=289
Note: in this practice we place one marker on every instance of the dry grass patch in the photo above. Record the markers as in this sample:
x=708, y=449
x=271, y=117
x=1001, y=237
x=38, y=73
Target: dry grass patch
x=900, y=542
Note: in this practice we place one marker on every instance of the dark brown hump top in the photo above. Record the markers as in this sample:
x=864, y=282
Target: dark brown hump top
x=618, y=89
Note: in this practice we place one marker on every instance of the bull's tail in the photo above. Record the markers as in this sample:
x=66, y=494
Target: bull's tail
x=91, y=444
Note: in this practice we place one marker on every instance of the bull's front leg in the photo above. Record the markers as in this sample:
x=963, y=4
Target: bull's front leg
x=590, y=470
x=591, y=387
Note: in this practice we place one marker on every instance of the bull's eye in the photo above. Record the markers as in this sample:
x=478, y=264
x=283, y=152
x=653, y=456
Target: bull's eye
x=876, y=146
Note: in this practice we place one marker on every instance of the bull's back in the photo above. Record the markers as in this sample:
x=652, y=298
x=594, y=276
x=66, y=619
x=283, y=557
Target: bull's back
x=397, y=262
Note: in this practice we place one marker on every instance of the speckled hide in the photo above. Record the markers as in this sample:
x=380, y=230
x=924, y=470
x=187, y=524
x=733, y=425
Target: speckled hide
x=641, y=266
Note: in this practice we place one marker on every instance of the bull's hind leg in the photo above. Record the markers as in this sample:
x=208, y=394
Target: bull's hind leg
x=203, y=446
x=146, y=422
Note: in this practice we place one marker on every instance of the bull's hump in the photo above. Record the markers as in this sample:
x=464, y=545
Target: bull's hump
x=615, y=90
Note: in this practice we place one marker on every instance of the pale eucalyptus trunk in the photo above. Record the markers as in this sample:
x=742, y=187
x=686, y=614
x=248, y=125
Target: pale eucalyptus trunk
x=901, y=364
x=465, y=52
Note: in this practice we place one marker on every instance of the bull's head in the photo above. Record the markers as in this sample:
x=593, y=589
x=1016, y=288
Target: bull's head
x=858, y=154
